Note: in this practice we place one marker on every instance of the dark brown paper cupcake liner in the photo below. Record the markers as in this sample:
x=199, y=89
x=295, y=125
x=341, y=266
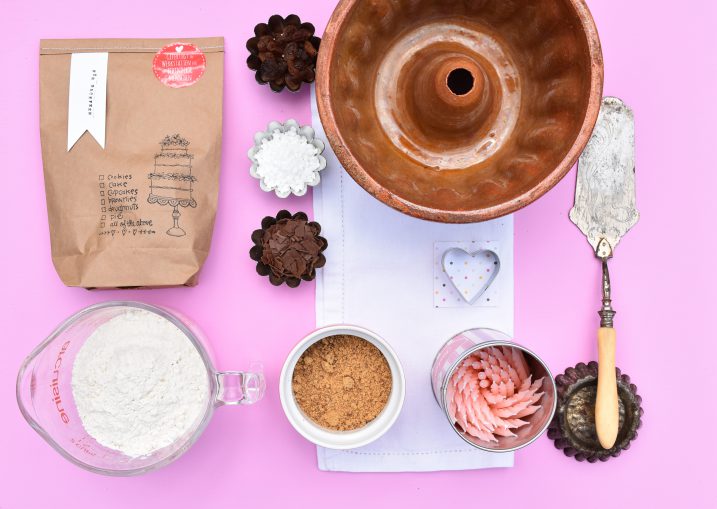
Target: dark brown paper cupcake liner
x=303, y=250
x=573, y=427
x=283, y=53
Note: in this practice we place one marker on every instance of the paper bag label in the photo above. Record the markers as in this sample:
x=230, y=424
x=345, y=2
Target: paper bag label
x=172, y=189
x=88, y=97
x=179, y=64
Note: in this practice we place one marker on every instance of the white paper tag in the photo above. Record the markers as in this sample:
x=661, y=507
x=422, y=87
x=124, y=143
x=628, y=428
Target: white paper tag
x=88, y=97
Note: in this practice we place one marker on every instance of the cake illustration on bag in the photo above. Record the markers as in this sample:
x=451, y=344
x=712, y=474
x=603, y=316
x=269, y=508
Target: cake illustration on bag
x=171, y=182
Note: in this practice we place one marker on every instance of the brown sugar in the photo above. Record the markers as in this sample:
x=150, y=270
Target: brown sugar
x=342, y=382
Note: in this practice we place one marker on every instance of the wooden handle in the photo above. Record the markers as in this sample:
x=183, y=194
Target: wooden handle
x=606, y=406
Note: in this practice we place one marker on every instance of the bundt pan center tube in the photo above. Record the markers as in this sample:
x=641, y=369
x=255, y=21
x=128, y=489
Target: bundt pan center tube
x=459, y=112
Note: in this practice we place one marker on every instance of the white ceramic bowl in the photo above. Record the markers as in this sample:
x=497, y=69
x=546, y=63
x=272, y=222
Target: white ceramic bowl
x=342, y=439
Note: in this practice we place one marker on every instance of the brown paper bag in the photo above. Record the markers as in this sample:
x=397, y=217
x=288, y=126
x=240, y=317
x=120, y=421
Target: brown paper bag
x=140, y=211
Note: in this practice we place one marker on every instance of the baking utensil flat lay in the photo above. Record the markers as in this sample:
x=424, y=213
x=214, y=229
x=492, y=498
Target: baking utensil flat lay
x=605, y=211
x=450, y=112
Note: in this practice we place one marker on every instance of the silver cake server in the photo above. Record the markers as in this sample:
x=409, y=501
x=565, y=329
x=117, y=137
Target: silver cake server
x=604, y=211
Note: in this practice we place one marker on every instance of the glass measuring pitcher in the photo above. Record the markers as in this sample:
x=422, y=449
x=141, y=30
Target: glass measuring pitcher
x=44, y=393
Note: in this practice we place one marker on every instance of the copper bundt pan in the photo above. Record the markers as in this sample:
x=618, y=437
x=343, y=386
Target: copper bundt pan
x=459, y=111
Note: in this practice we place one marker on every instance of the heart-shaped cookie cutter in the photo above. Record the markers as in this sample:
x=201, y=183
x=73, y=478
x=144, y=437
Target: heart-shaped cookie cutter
x=452, y=259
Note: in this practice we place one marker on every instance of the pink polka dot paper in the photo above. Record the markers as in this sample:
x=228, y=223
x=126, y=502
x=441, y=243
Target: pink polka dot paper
x=445, y=293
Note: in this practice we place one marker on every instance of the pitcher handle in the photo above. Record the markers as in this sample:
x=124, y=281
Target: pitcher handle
x=240, y=387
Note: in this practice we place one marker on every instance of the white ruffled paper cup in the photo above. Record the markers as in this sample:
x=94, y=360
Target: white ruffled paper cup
x=301, y=184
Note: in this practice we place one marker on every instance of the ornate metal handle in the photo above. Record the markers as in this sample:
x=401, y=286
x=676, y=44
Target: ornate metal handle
x=604, y=252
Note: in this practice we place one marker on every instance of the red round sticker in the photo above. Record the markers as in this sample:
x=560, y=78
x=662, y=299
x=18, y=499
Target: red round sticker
x=180, y=64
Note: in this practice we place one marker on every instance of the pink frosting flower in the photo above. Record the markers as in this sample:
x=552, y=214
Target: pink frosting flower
x=491, y=391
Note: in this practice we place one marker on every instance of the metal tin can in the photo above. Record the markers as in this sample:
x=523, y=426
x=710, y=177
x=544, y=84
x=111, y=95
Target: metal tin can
x=466, y=343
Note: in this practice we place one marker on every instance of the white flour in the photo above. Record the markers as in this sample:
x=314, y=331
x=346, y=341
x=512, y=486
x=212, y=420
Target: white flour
x=139, y=384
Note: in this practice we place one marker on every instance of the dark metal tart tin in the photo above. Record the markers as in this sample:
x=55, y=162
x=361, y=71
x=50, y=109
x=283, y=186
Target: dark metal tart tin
x=573, y=427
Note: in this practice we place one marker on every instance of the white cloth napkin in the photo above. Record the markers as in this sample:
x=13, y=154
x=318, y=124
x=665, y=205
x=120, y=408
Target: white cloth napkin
x=380, y=275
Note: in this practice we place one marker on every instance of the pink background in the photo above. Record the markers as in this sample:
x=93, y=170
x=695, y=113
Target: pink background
x=659, y=57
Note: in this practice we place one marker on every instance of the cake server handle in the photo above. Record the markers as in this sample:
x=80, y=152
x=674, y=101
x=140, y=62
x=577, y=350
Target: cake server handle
x=606, y=405
x=607, y=417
